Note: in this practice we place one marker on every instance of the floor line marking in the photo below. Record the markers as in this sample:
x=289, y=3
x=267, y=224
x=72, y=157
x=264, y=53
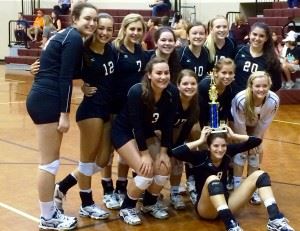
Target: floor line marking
x=19, y=212
x=286, y=122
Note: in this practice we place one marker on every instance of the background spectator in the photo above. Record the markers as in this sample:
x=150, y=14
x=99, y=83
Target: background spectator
x=160, y=6
x=240, y=30
x=37, y=26
x=148, y=40
x=56, y=20
x=48, y=30
x=20, y=31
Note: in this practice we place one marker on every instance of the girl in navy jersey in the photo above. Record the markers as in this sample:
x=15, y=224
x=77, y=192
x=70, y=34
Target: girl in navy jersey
x=60, y=61
x=195, y=56
x=165, y=41
x=152, y=101
x=186, y=116
x=130, y=64
x=93, y=118
x=217, y=42
x=258, y=56
x=223, y=74
x=211, y=169
x=253, y=111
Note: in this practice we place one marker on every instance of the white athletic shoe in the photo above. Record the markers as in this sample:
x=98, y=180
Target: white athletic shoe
x=280, y=224
x=177, y=201
x=130, y=216
x=111, y=201
x=156, y=211
x=235, y=226
x=255, y=199
x=59, y=221
x=94, y=212
x=191, y=188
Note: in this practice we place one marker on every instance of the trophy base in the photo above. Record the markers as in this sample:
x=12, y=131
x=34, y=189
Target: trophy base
x=218, y=130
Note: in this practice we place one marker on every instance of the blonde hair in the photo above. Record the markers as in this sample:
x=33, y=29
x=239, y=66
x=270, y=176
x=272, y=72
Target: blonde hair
x=249, y=100
x=210, y=40
x=128, y=19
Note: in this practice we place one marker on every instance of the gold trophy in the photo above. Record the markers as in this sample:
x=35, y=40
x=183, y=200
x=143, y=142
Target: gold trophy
x=215, y=124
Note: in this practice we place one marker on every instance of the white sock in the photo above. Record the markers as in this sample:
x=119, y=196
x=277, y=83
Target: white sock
x=237, y=181
x=269, y=201
x=86, y=190
x=107, y=179
x=47, y=209
x=174, y=189
x=122, y=178
x=222, y=207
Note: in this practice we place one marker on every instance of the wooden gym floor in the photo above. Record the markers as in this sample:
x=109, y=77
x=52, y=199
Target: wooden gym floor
x=19, y=208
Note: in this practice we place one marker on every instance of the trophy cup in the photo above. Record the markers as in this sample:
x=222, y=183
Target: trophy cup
x=215, y=124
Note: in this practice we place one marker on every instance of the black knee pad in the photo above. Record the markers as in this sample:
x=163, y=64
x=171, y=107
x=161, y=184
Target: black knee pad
x=215, y=187
x=263, y=180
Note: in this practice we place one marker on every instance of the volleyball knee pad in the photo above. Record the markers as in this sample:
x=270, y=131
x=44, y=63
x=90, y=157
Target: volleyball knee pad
x=240, y=159
x=253, y=160
x=97, y=168
x=86, y=169
x=142, y=182
x=215, y=187
x=51, y=167
x=160, y=180
x=263, y=180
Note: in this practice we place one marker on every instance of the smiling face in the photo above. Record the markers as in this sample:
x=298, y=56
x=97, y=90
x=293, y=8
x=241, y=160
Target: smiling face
x=260, y=88
x=197, y=36
x=159, y=76
x=217, y=148
x=220, y=28
x=86, y=23
x=225, y=75
x=166, y=43
x=188, y=86
x=258, y=37
x=134, y=32
x=104, y=31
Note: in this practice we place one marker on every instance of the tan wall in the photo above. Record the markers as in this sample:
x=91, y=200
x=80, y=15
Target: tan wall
x=205, y=9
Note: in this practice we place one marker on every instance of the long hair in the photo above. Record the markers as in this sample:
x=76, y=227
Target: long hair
x=210, y=40
x=128, y=19
x=272, y=61
x=249, y=99
x=147, y=93
x=194, y=106
x=173, y=59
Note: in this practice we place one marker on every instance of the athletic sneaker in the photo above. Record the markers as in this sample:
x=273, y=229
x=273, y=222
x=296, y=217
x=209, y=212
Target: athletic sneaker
x=191, y=188
x=255, y=199
x=156, y=211
x=280, y=224
x=120, y=197
x=289, y=84
x=130, y=216
x=94, y=212
x=235, y=226
x=177, y=201
x=111, y=201
x=59, y=221
x=58, y=198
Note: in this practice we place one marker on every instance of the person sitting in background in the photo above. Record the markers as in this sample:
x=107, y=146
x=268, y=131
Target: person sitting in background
x=240, y=30
x=37, y=26
x=160, y=6
x=277, y=44
x=56, y=20
x=64, y=6
x=21, y=27
x=290, y=62
x=164, y=21
x=48, y=30
x=148, y=40
x=180, y=31
x=292, y=3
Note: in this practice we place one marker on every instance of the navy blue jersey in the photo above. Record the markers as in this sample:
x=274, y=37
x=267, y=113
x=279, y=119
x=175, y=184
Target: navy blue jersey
x=200, y=65
x=224, y=101
x=203, y=165
x=173, y=63
x=136, y=117
x=246, y=65
x=98, y=71
x=227, y=51
x=129, y=71
x=60, y=62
